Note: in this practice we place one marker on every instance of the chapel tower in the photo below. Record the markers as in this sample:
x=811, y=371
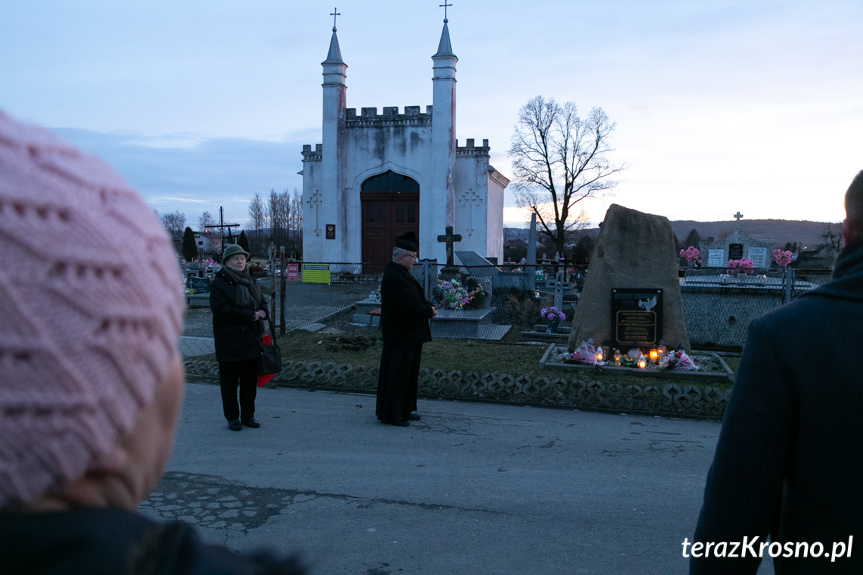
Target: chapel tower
x=332, y=202
x=443, y=139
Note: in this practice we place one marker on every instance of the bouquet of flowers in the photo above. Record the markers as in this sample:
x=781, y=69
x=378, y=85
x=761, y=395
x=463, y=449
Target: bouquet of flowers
x=476, y=293
x=741, y=265
x=691, y=254
x=585, y=353
x=680, y=361
x=452, y=294
x=552, y=315
x=782, y=257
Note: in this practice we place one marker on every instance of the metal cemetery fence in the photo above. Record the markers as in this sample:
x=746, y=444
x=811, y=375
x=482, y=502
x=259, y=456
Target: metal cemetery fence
x=503, y=302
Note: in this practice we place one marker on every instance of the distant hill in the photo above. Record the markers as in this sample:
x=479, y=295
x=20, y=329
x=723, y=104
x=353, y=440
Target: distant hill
x=776, y=232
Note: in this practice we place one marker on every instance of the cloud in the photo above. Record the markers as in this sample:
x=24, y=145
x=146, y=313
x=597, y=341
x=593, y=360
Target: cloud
x=192, y=174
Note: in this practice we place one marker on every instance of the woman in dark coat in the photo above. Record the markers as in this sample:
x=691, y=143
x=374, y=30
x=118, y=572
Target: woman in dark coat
x=239, y=311
x=404, y=323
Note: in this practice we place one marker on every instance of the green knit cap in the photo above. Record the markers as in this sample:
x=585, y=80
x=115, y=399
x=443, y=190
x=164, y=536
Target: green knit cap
x=233, y=250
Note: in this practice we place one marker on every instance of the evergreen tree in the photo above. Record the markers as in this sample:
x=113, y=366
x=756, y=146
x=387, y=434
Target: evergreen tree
x=691, y=239
x=190, y=250
x=243, y=241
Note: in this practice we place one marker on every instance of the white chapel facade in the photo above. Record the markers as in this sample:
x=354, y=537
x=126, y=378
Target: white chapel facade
x=376, y=176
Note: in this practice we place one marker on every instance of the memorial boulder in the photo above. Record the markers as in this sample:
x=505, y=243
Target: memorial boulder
x=631, y=295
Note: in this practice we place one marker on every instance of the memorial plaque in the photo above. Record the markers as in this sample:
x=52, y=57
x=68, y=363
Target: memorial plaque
x=735, y=251
x=331, y=231
x=716, y=258
x=758, y=257
x=636, y=317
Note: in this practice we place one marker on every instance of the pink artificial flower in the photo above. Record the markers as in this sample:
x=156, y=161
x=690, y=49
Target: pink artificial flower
x=691, y=253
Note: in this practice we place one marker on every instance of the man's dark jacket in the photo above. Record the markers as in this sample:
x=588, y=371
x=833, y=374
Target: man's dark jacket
x=404, y=309
x=236, y=332
x=789, y=461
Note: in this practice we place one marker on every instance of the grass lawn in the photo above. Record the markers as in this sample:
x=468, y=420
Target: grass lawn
x=446, y=354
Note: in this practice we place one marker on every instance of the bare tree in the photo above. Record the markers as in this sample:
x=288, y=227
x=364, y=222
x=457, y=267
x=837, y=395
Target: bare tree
x=559, y=159
x=258, y=221
x=296, y=224
x=174, y=223
x=205, y=220
x=831, y=237
x=279, y=210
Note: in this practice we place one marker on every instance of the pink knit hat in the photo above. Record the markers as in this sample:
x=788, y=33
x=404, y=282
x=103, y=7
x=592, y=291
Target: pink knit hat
x=91, y=308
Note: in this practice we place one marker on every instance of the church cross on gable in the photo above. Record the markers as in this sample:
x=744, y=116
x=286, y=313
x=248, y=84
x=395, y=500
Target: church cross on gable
x=378, y=175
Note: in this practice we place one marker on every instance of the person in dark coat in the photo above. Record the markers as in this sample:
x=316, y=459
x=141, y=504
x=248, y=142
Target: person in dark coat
x=239, y=311
x=404, y=323
x=788, y=462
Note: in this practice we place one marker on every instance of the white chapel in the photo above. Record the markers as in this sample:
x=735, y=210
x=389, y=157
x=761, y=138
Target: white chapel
x=376, y=176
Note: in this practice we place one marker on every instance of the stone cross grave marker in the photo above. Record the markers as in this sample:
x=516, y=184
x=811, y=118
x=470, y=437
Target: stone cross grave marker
x=449, y=238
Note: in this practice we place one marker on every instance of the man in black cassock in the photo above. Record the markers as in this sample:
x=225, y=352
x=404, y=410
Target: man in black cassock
x=404, y=323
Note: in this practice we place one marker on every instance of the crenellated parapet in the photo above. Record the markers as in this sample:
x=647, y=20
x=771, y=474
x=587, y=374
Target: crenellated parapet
x=472, y=150
x=310, y=156
x=369, y=117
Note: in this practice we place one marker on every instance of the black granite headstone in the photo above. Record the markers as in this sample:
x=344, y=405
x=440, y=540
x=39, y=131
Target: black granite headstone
x=735, y=251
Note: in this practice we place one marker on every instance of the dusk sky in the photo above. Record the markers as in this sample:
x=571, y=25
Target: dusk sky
x=721, y=105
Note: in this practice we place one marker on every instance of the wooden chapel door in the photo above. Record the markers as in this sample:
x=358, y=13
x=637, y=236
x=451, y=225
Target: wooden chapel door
x=390, y=207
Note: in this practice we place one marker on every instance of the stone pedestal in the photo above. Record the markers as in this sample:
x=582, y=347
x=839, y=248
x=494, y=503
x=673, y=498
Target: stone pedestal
x=461, y=324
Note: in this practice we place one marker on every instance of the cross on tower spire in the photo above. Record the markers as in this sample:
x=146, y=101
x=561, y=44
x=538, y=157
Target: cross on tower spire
x=444, y=6
x=335, y=13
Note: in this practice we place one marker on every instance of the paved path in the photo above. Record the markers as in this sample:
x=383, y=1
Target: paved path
x=472, y=488
x=192, y=346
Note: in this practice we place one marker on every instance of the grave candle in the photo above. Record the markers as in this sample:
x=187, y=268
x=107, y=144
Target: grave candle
x=599, y=354
x=642, y=362
x=654, y=355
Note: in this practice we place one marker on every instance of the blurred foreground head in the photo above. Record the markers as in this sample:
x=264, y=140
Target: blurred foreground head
x=853, y=225
x=91, y=309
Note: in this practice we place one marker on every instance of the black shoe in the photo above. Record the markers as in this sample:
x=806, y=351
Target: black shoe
x=252, y=422
x=414, y=416
x=235, y=425
x=401, y=422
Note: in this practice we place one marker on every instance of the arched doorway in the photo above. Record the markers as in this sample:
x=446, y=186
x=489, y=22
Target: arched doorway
x=390, y=204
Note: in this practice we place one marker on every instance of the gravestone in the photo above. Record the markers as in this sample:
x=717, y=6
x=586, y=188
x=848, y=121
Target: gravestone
x=634, y=251
x=737, y=245
x=530, y=268
x=558, y=294
x=449, y=271
x=480, y=269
